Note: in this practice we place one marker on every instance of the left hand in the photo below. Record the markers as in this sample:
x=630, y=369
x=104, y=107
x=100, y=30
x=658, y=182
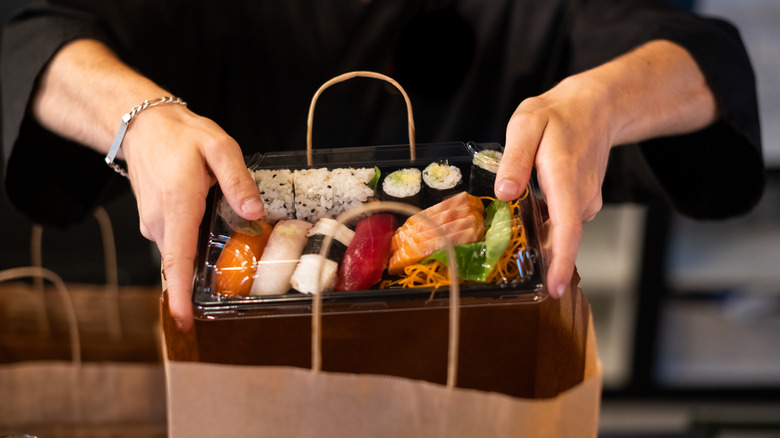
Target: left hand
x=565, y=134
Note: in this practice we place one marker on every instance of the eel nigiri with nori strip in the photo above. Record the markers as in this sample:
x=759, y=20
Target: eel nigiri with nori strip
x=304, y=279
x=280, y=257
x=367, y=255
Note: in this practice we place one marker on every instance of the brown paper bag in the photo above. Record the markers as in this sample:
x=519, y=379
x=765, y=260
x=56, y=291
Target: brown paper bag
x=207, y=399
x=42, y=396
x=115, y=323
x=277, y=396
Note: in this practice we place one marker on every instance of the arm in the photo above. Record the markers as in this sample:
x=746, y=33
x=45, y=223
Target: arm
x=567, y=132
x=174, y=156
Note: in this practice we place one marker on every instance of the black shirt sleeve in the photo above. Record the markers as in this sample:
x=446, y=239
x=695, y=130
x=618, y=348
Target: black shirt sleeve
x=49, y=179
x=718, y=171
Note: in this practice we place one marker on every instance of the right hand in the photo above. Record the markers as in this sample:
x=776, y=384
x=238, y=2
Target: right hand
x=174, y=156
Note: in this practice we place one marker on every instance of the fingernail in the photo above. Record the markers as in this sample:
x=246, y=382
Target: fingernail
x=507, y=189
x=560, y=290
x=252, y=207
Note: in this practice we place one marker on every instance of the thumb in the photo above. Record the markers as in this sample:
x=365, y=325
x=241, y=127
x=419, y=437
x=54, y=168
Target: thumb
x=235, y=180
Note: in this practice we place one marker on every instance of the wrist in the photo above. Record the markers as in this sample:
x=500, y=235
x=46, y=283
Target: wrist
x=125, y=122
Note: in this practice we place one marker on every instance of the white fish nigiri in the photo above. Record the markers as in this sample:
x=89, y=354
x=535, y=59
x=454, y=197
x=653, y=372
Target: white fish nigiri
x=304, y=279
x=280, y=257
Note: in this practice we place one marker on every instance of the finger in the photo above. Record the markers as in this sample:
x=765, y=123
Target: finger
x=565, y=242
x=592, y=209
x=523, y=136
x=178, y=249
x=238, y=187
x=563, y=206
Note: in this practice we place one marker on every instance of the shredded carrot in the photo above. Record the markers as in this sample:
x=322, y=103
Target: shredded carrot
x=435, y=273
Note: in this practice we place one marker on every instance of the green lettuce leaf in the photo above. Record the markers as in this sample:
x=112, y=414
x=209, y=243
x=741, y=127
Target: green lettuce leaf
x=477, y=260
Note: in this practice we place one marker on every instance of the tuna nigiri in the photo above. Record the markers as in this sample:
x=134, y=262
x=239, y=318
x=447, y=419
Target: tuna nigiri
x=366, y=257
x=459, y=218
x=280, y=257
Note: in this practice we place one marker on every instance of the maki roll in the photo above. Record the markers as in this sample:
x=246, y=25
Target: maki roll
x=304, y=279
x=351, y=188
x=276, y=189
x=442, y=180
x=281, y=254
x=313, y=194
x=484, y=167
x=403, y=185
x=322, y=193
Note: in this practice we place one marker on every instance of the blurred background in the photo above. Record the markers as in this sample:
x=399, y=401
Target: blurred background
x=687, y=313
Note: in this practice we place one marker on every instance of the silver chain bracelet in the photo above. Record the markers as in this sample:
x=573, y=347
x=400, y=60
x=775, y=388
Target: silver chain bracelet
x=126, y=119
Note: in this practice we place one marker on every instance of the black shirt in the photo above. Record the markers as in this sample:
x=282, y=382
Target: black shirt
x=253, y=66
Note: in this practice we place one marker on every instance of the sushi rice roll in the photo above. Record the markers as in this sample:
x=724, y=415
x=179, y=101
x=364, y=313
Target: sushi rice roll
x=313, y=194
x=276, y=189
x=304, y=279
x=403, y=185
x=442, y=180
x=280, y=256
x=484, y=167
x=351, y=188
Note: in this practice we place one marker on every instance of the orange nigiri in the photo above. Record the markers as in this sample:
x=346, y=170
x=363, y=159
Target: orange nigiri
x=237, y=262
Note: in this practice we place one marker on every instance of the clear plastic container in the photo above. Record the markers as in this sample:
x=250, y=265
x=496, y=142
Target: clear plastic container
x=501, y=261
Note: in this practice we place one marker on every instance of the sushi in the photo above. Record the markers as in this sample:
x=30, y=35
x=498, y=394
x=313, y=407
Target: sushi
x=460, y=218
x=276, y=189
x=366, y=257
x=236, y=265
x=280, y=257
x=484, y=167
x=442, y=180
x=352, y=188
x=313, y=194
x=403, y=185
x=304, y=278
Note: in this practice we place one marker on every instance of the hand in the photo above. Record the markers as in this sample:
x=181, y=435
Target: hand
x=567, y=132
x=174, y=157
x=564, y=134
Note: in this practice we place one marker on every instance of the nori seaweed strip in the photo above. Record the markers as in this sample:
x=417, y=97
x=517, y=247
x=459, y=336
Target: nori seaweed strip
x=314, y=245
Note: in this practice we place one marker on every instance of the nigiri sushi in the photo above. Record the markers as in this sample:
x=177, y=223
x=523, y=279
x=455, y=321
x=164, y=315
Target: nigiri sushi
x=236, y=265
x=280, y=257
x=459, y=218
x=304, y=279
x=367, y=255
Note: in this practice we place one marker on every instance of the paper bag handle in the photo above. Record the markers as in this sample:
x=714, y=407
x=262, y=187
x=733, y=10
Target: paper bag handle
x=70, y=311
x=111, y=268
x=350, y=75
x=454, y=310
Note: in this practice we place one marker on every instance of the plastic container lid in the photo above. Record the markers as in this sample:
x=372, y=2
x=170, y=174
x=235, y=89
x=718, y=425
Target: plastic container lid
x=375, y=261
